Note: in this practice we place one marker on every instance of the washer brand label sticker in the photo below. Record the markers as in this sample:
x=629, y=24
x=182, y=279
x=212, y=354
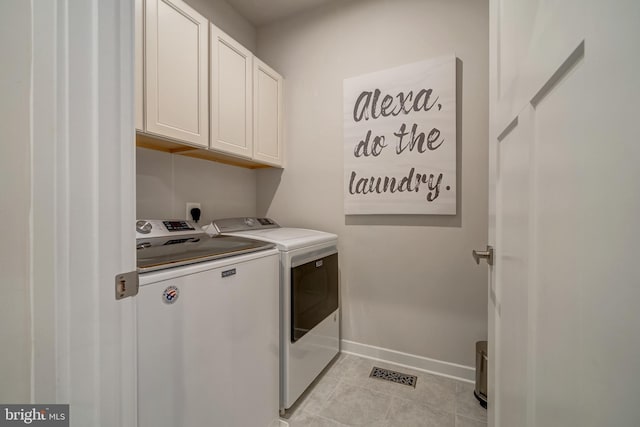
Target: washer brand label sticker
x=170, y=295
x=228, y=273
x=36, y=415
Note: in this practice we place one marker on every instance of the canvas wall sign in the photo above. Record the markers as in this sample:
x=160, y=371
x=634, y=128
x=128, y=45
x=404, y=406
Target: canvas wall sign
x=400, y=140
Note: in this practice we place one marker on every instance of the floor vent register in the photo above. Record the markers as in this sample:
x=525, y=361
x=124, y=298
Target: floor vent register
x=393, y=376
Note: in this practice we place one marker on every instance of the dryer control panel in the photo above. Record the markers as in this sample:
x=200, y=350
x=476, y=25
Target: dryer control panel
x=230, y=225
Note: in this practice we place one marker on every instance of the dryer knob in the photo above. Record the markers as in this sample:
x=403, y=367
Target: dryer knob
x=143, y=227
x=250, y=222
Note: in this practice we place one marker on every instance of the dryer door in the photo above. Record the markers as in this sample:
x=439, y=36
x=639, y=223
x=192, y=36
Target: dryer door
x=314, y=294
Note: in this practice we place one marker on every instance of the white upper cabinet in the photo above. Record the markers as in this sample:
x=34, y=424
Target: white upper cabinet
x=139, y=66
x=267, y=115
x=209, y=93
x=176, y=72
x=231, y=97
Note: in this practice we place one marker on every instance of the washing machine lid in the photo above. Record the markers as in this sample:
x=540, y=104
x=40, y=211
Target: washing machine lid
x=160, y=253
x=173, y=243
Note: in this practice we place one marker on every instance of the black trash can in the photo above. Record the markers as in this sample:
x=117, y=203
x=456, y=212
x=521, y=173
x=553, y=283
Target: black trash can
x=482, y=365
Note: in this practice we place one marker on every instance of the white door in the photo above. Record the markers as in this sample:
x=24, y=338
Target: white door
x=82, y=209
x=565, y=199
x=231, y=96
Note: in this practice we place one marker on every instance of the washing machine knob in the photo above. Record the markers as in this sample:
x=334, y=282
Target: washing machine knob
x=143, y=227
x=250, y=222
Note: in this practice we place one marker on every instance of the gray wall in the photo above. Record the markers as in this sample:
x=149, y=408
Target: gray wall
x=15, y=200
x=408, y=282
x=166, y=182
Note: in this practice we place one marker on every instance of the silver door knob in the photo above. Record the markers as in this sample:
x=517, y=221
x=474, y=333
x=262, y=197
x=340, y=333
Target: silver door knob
x=488, y=255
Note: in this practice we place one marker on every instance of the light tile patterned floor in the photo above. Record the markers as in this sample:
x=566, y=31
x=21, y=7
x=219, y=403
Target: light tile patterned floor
x=345, y=396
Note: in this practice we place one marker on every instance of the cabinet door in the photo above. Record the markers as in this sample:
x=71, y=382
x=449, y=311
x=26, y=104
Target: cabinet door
x=176, y=72
x=267, y=115
x=231, y=97
x=139, y=61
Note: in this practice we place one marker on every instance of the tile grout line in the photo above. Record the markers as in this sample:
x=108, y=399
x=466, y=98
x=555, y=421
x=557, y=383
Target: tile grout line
x=386, y=414
x=455, y=406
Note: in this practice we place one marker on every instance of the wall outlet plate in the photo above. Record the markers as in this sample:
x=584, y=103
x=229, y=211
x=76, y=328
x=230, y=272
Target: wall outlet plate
x=191, y=205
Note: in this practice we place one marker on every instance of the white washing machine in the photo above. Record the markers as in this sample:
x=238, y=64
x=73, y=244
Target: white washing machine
x=207, y=328
x=309, y=299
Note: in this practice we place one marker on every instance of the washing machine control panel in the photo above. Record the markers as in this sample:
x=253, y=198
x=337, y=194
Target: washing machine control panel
x=148, y=228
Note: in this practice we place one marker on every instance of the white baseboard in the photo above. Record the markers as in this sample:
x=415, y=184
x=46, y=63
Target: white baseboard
x=432, y=366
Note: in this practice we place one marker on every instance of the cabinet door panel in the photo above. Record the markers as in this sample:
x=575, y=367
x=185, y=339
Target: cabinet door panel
x=139, y=67
x=231, y=97
x=267, y=115
x=176, y=72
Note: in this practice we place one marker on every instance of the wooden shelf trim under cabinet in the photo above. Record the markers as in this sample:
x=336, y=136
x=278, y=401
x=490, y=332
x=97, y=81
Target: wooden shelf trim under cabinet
x=160, y=144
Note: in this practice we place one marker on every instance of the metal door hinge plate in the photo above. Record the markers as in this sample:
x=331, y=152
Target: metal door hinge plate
x=126, y=285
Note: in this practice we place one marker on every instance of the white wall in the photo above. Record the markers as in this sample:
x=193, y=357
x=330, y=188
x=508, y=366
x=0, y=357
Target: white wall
x=166, y=182
x=225, y=17
x=15, y=196
x=408, y=282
